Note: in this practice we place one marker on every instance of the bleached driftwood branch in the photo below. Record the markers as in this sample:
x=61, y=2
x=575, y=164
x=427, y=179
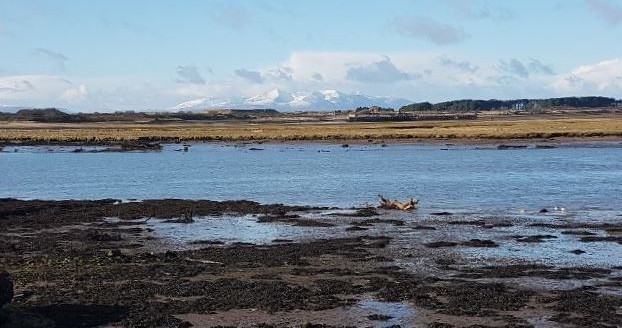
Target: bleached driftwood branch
x=394, y=204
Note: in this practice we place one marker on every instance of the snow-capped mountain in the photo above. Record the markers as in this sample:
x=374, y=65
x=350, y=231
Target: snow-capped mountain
x=294, y=101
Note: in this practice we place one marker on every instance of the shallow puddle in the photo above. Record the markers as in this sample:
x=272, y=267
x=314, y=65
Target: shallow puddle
x=394, y=313
x=232, y=229
x=551, y=251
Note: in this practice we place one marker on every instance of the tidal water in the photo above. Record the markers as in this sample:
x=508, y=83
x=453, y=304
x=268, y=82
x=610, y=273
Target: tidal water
x=467, y=178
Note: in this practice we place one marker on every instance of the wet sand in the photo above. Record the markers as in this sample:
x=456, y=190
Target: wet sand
x=179, y=263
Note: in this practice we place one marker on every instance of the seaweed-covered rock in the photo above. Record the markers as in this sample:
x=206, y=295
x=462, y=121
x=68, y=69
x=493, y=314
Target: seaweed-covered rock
x=6, y=288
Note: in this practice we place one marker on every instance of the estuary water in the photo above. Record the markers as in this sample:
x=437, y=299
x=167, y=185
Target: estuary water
x=443, y=177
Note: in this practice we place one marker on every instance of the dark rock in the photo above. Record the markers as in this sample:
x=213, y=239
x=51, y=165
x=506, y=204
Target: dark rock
x=578, y=233
x=6, y=288
x=442, y=213
x=369, y=222
x=185, y=324
x=363, y=212
x=206, y=242
x=345, y=146
x=590, y=239
x=294, y=220
x=114, y=253
x=544, y=210
x=439, y=244
x=423, y=227
x=439, y=325
x=282, y=240
x=379, y=317
x=355, y=228
x=577, y=252
x=501, y=147
x=184, y=219
x=102, y=236
x=480, y=243
x=445, y=261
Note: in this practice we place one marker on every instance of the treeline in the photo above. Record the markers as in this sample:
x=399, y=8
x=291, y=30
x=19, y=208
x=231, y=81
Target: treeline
x=470, y=105
x=54, y=115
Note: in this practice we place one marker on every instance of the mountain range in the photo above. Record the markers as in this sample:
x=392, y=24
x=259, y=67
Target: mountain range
x=281, y=100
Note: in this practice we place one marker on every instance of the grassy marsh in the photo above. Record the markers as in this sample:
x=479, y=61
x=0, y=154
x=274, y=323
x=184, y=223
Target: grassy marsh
x=29, y=132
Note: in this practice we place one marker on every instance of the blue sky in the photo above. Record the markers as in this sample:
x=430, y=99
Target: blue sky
x=107, y=55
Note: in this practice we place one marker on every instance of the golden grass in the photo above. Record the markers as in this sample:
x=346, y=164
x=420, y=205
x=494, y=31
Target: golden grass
x=478, y=129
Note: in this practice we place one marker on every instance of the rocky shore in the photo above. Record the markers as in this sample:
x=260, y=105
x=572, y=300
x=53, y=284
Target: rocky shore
x=112, y=263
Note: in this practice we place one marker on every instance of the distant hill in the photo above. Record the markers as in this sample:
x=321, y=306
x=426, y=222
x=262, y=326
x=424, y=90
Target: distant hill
x=42, y=115
x=55, y=115
x=10, y=109
x=470, y=105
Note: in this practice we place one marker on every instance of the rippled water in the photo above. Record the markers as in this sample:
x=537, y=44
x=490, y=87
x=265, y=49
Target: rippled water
x=447, y=177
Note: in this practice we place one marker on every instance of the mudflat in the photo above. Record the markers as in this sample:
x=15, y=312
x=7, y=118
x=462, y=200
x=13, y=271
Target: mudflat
x=142, y=264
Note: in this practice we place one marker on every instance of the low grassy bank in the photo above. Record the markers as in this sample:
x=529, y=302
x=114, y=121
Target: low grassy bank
x=479, y=129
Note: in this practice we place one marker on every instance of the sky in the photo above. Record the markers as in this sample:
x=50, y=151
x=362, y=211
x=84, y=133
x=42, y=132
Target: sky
x=154, y=54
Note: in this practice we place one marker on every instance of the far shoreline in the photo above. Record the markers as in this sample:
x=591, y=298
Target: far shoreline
x=545, y=130
x=612, y=141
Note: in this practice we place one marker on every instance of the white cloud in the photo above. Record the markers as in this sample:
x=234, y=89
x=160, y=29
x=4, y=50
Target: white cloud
x=377, y=74
x=32, y=88
x=602, y=77
x=75, y=95
x=15, y=85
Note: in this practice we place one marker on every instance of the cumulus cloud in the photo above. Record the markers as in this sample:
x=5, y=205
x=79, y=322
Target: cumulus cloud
x=537, y=66
x=280, y=73
x=515, y=67
x=382, y=71
x=464, y=65
x=189, y=74
x=606, y=10
x=377, y=74
x=74, y=95
x=58, y=58
x=12, y=86
x=28, y=89
x=251, y=76
x=604, y=76
x=428, y=29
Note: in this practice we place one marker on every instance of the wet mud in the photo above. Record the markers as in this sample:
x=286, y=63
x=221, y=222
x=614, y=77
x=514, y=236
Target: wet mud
x=102, y=263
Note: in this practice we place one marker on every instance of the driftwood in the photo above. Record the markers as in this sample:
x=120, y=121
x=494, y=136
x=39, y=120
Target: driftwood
x=397, y=205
